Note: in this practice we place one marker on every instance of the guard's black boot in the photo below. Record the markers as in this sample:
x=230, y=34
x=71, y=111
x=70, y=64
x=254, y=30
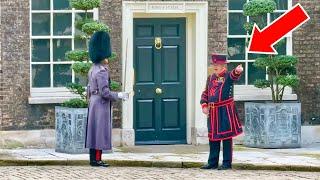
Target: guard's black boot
x=209, y=166
x=99, y=164
x=225, y=167
x=102, y=164
x=92, y=155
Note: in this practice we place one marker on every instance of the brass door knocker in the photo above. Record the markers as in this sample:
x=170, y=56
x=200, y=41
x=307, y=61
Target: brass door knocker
x=157, y=43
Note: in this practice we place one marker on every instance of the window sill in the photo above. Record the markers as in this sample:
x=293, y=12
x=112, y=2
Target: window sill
x=263, y=97
x=48, y=100
x=251, y=93
x=50, y=95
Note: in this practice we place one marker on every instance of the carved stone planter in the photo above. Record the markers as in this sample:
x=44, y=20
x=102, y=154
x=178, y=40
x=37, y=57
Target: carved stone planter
x=272, y=125
x=70, y=129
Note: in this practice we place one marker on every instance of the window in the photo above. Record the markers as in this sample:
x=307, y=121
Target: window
x=238, y=39
x=53, y=33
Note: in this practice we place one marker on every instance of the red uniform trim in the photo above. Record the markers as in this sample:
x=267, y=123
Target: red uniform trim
x=211, y=120
x=235, y=116
x=219, y=139
x=236, y=128
x=221, y=103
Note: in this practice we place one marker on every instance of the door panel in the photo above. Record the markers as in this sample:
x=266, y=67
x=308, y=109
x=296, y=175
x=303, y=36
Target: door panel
x=160, y=84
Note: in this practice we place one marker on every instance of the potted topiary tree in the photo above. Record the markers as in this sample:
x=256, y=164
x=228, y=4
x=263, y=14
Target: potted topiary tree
x=71, y=116
x=275, y=124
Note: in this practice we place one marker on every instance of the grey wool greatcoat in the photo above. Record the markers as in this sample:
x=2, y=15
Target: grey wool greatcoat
x=99, y=123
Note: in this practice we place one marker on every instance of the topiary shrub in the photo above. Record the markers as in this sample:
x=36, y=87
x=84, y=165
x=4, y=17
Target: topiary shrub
x=281, y=71
x=78, y=55
x=81, y=59
x=75, y=103
x=85, y=4
x=259, y=7
x=257, y=10
x=92, y=27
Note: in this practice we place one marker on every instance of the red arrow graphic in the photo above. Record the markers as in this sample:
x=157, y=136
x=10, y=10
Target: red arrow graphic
x=262, y=41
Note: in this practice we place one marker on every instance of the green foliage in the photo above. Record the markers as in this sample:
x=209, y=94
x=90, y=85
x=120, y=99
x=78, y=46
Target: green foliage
x=77, y=89
x=85, y=4
x=113, y=57
x=262, y=83
x=81, y=68
x=248, y=26
x=288, y=80
x=259, y=7
x=115, y=86
x=77, y=55
x=92, y=27
x=277, y=64
x=75, y=103
x=257, y=11
x=81, y=36
x=80, y=23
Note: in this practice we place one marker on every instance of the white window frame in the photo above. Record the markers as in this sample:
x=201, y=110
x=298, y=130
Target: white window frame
x=52, y=94
x=249, y=92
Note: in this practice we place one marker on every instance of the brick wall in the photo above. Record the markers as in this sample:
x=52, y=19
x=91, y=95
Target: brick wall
x=14, y=82
x=110, y=13
x=306, y=46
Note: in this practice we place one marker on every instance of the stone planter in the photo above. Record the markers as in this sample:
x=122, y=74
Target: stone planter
x=70, y=129
x=272, y=125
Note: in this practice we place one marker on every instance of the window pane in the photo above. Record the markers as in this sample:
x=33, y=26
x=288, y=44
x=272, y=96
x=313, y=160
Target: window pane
x=255, y=56
x=260, y=20
x=80, y=44
x=236, y=48
x=80, y=16
x=236, y=4
x=61, y=4
x=40, y=4
x=274, y=16
x=62, y=24
x=61, y=75
x=236, y=22
x=40, y=50
x=41, y=75
x=282, y=4
x=242, y=79
x=40, y=24
x=60, y=47
x=254, y=73
x=281, y=47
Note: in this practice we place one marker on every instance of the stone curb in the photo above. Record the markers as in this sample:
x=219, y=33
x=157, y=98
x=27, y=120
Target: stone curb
x=161, y=164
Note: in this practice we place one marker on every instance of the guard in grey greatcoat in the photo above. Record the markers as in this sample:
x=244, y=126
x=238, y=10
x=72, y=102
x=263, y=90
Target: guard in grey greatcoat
x=99, y=123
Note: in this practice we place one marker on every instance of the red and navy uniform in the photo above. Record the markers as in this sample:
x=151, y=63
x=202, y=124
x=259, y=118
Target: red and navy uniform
x=223, y=120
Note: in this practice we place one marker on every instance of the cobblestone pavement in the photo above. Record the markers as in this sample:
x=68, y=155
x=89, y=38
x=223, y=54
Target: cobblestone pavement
x=114, y=173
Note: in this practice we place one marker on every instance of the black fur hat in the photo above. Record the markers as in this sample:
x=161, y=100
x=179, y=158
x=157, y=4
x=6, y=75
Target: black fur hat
x=99, y=46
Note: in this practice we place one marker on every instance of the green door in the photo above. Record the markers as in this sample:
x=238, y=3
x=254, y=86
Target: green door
x=160, y=80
